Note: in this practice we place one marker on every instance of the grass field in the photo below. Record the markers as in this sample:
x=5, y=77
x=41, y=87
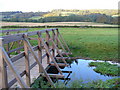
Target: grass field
x=94, y=43
x=91, y=43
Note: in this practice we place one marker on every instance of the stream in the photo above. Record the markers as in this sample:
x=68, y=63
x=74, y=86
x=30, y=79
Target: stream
x=81, y=71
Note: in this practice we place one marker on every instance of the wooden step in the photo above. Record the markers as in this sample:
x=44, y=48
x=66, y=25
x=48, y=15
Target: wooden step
x=64, y=53
x=68, y=57
x=67, y=71
x=65, y=78
x=59, y=64
x=54, y=75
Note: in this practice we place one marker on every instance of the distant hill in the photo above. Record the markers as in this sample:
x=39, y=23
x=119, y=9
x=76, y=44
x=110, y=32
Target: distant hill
x=20, y=14
x=109, y=16
x=63, y=12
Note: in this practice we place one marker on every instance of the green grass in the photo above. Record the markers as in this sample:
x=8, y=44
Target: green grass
x=111, y=83
x=105, y=68
x=93, y=43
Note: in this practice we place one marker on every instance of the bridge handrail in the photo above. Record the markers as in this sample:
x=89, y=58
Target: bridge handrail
x=16, y=37
x=14, y=30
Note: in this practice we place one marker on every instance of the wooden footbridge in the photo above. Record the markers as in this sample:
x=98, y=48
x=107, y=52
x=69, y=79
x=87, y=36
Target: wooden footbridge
x=18, y=47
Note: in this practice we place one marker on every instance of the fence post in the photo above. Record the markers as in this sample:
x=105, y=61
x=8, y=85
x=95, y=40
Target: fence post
x=39, y=50
x=57, y=35
x=18, y=51
x=53, y=47
x=27, y=64
x=47, y=40
x=8, y=45
x=3, y=70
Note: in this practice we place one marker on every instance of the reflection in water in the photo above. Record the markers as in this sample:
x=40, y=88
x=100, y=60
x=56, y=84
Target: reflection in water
x=81, y=70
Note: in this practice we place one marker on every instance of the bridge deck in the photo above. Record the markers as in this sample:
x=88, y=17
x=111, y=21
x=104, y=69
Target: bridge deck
x=20, y=66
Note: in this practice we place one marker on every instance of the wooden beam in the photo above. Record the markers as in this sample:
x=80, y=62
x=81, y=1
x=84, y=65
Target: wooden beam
x=7, y=45
x=68, y=58
x=3, y=70
x=39, y=50
x=30, y=38
x=16, y=49
x=67, y=71
x=27, y=64
x=11, y=45
x=57, y=35
x=59, y=64
x=35, y=63
x=47, y=40
x=63, y=41
x=9, y=38
x=64, y=53
x=62, y=46
x=47, y=50
x=37, y=60
x=11, y=66
x=15, y=80
x=15, y=58
x=53, y=48
x=64, y=78
x=59, y=52
x=54, y=75
x=14, y=30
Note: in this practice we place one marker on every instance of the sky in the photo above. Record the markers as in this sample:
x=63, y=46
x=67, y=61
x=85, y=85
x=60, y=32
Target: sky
x=48, y=5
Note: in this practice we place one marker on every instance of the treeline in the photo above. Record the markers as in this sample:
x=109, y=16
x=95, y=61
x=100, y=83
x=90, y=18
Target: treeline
x=64, y=12
x=99, y=18
x=20, y=14
x=6, y=15
x=108, y=16
x=89, y=11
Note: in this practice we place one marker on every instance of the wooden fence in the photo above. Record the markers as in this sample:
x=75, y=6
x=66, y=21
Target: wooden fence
x=50, y=43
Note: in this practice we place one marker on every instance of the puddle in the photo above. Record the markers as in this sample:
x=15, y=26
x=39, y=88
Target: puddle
x=81, y=70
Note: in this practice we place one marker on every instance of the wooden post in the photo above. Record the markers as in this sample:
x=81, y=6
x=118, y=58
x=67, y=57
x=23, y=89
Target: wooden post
x=63, y=41
x=27, y=64
x=48, y=51
x=39, y=50
x=47, y=40
x=7, y=45
x=13, y=69
x=53, y=48
x=3, y=70
x=18, y=51
x=59, y=52
x=62, y=46
x=57, y=35
x=38, y=62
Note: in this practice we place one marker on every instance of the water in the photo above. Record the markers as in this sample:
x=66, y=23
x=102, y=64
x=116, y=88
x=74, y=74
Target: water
x=81, y=70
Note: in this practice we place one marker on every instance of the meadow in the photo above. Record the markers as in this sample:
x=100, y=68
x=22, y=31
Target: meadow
x=90, y=43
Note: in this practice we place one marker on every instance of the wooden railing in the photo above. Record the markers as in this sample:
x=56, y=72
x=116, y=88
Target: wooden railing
x=8, y=47
x=11, y=31
x=49, y=43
